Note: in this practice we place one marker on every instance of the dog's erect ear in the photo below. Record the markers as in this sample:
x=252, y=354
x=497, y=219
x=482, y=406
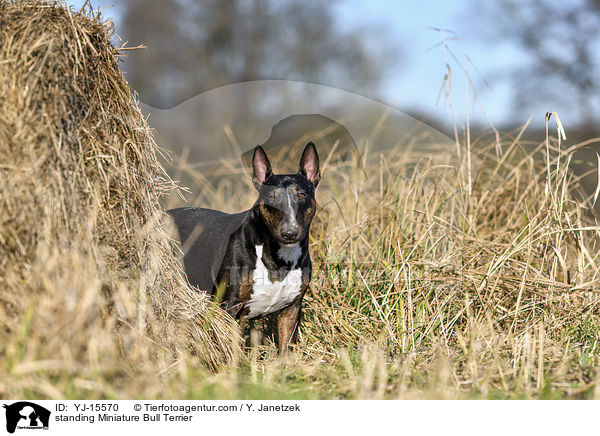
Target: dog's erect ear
x=309, y=164
x=261, y=167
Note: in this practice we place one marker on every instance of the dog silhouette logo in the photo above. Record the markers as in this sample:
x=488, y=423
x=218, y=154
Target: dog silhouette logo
x=26, y=415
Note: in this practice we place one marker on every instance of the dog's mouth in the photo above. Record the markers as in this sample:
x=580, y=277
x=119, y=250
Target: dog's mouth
x=288, y=241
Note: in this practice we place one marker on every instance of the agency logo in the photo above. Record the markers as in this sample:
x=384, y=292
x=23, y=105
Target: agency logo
x=26, y=415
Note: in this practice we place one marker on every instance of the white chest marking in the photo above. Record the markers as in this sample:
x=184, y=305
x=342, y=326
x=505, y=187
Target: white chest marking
x=268, y=297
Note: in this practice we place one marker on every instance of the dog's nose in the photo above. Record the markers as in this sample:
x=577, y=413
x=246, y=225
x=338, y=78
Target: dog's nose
x=289, y=234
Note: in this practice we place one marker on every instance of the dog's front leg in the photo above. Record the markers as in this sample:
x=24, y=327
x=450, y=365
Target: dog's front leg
x=288, y=322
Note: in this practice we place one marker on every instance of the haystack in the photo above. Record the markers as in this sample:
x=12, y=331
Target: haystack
x=88, y=280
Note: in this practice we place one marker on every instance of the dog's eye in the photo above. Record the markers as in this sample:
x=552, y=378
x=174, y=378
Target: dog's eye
x=301, y=195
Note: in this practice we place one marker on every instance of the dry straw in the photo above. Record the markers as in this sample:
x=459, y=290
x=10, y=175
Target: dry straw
x=88, y=281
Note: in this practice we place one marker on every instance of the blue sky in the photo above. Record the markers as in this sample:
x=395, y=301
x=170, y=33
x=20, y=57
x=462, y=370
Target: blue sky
x=416, y=83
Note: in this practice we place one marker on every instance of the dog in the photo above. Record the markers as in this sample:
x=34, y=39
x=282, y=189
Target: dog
x=257, y=263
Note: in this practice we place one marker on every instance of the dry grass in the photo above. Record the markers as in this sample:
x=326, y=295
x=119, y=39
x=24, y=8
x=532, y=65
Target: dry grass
x=423, y=290
x=424, y=286
x=88, y=283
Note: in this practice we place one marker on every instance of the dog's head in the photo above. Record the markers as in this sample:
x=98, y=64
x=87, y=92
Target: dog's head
x=286, y=202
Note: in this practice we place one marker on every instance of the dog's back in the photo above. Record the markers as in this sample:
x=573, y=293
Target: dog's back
x=204, y=236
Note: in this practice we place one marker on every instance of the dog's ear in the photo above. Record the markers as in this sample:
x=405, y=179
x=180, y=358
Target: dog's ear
x=261, y=167
x=309, y=164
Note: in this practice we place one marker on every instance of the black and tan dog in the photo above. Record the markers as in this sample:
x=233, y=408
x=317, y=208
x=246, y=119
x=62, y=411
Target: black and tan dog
x=257, y=261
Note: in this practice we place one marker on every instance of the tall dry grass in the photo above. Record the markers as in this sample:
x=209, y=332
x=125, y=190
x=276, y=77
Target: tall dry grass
x=92, y=299
x=421, y=289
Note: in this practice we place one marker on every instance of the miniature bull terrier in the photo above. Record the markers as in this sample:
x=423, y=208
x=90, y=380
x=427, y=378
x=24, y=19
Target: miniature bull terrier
x=257, y=263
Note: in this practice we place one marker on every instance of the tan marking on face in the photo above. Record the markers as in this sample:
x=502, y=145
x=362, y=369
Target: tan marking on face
x=271, y=216
x=309, y=213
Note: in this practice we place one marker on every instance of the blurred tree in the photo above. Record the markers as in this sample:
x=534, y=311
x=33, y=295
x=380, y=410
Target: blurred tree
x=196, y=45
x=560, y=40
